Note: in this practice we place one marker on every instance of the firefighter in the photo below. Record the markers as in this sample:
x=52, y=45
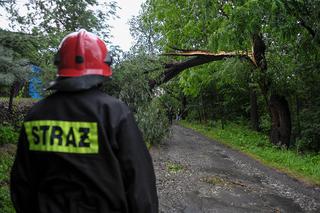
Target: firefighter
x=80, y=150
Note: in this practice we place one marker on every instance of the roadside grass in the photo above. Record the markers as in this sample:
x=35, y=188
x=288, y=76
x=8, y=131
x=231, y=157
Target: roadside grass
x=304, y=167
x=8, y=134
x=8, y=139
x=6, y=161
x=174, y=167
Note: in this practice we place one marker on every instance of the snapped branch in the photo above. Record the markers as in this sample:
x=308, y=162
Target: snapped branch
x=198, y=57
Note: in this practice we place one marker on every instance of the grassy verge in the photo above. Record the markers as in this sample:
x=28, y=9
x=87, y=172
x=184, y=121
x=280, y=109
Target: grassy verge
x=8, y=139
x=6, y=161
x=304, y=167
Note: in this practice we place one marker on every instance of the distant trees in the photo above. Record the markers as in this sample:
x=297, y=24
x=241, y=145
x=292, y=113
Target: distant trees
x=43, y=26
x=35, y=35
x=51, y=20
x=17, y=51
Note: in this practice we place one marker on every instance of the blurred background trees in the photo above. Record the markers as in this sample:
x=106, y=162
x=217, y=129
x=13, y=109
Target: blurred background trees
x=38, y=26
x=273, y=90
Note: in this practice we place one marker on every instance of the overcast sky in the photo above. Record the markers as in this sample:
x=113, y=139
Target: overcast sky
x=120, y=32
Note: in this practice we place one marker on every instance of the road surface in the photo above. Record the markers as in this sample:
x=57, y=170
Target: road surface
x=195, y=174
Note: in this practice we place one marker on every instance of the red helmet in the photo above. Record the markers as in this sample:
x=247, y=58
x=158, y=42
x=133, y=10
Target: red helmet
x=83, y=53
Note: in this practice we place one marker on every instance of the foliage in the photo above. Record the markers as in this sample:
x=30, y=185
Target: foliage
x=54, y=17
x=256, y=145
x=17, y=51
x=153, y=123
x=310, y=125
x=173, y=167
x=48, y=21
x=7, y=135
x=11, y=70
x=141, y=29
x=5, y=201
x=6, y=161
x=290, y=30
x=130, y=84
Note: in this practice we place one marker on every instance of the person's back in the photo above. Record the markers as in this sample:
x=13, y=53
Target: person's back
x=81, y=151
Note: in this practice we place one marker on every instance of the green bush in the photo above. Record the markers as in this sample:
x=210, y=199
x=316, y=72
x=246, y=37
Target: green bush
x=310, y=130
x=6, y=161
x=130, y=85
x=8, y=134
x=153, y=123
x=5, y=202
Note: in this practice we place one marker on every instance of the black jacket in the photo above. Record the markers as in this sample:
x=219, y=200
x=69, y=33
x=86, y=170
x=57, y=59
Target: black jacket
x=81, y=152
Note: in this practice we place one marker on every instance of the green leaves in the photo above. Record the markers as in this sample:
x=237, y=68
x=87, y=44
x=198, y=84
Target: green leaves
x=17, y=52
x=8, y=135
x=130, y=84
x=43, y=25
x=153, y=122
x=51, y=16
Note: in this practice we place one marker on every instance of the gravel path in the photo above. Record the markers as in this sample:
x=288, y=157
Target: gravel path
x=195, y=174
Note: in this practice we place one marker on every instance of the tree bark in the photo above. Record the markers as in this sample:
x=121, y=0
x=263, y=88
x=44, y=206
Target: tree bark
x=278, y=106
x=298, y=109
x=254, y=114
x=281, y=121
x=12, y=89
x=184, y=110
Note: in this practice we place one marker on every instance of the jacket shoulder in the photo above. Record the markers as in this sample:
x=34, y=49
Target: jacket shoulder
x=112, y=101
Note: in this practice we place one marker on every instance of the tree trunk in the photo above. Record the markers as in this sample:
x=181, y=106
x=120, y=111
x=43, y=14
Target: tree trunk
x=298, y=109
x=12, y=91
x=281, y=121
x=203, y=110
x=254, y=114
x=278, y=106
x=184, y=110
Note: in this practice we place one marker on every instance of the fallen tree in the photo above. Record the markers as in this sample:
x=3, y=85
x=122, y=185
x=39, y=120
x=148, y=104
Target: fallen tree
x=277, y=105
x=199, y=57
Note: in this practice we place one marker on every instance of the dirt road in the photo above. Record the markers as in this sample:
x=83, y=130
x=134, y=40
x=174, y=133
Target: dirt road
x=195, y=174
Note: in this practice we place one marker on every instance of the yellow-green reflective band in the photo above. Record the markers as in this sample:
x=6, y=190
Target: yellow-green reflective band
x=62, y=136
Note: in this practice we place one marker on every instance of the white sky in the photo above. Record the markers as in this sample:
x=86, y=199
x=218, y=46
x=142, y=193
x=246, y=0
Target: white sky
x=120, y=31
x=121, y=34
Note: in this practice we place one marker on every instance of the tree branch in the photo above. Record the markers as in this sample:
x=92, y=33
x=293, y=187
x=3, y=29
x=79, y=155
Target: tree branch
x=200, y=57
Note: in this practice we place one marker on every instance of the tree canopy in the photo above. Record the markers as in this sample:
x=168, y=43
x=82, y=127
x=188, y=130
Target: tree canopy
x=281, y=36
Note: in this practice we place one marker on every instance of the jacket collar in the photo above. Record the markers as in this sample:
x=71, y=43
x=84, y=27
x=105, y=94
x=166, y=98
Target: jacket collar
x=71, y=84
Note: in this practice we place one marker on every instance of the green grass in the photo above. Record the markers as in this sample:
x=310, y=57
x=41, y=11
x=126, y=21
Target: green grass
x=6, y=161
x=304, y=167
x=174, y=167
x=8, y=134
x=214, y=180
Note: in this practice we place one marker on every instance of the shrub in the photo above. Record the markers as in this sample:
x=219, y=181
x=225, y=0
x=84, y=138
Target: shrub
x=20, y=108
x=153, y=123
x=6, y=161
x=8, y=134
x=130, y=84
x=310, y=130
